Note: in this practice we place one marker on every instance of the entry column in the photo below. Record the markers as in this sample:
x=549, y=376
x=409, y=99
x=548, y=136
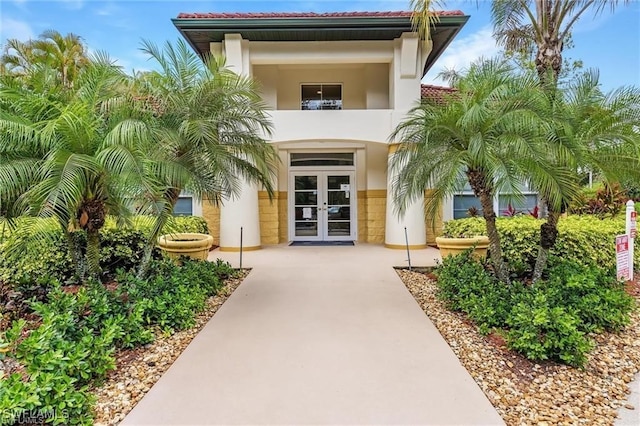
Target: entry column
x=241, y=211
x=413, y=219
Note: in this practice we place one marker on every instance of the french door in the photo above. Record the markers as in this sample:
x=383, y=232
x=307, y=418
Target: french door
x=322, y=206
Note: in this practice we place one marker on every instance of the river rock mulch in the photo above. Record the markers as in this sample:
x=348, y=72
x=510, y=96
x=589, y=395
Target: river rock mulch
x=139, y=369
x=545, y=393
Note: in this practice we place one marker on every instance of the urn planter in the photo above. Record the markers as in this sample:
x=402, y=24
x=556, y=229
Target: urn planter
x=192, y=245
x=455, y=246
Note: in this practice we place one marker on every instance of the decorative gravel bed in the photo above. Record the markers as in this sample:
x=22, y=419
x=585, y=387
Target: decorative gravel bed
x=139, y=369
x=529, y=393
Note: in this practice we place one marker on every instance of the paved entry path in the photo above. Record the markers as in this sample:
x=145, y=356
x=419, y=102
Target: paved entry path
x=318, y=335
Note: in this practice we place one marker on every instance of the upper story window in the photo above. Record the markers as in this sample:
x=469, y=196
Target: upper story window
x=321, y=96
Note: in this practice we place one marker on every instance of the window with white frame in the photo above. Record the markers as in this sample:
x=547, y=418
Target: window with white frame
x=466, y=204
x=184, y=206
x=509, y=206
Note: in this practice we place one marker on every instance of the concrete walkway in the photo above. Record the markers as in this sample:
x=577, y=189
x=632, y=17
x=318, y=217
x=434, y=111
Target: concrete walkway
x=318, y=335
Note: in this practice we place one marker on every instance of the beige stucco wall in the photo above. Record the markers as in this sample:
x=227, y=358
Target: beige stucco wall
x=364, y=86
x=377, y=86
x=381, y=81
x=351, y=78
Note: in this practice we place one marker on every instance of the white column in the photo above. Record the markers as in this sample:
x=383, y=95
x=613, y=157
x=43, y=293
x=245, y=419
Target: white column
x=237, y=213
x=241, y=211
x=413, y=219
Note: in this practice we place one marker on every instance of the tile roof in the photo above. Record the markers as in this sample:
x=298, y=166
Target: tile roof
x=435, y=93
x=428, y=90
x=278, y=15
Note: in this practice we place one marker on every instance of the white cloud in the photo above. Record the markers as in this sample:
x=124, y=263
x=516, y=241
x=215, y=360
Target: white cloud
x=107, y=9
x=463, y=52
x=12, y=28
x=73, y=4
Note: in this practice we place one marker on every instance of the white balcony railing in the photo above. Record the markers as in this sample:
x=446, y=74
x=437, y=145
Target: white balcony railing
x=362, y=125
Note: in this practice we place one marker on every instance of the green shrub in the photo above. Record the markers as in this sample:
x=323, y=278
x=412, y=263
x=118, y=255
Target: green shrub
x=466, y=286
x=120, y=248
x=72, y=345
x=601, y=200
x=548, y=320
x=172, y=296
x=541, y=330
x=585, y=240
x=46, y=396
x=599, y=301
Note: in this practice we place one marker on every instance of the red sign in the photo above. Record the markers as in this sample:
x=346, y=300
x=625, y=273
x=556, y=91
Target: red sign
x=633, y=229
x=622, y=257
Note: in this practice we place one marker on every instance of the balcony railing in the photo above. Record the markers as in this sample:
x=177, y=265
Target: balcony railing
x=363, y=125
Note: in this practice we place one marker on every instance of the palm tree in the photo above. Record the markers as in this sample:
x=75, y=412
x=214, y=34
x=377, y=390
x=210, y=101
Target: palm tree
x=66, y=55
x=586, y=130
x=210, y=128
x=482, y=134
x=543, y=25
x=423, y=17
x=75, y=157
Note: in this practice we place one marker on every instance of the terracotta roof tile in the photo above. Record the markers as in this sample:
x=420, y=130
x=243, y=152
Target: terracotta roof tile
x=275, y=15
x=435, y=93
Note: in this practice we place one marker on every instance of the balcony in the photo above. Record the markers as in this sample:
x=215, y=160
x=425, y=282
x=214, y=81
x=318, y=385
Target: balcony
x=355, y=124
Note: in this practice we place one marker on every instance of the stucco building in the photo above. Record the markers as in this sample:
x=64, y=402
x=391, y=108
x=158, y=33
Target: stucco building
x=337, y=85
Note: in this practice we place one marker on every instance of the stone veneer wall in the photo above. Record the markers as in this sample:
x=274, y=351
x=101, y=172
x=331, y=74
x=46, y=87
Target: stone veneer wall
x=269, y=218
x=211, y=215
x=274, y=223
x=434, y=228
x=362, y=216
x=376, y=214
x=283, y=209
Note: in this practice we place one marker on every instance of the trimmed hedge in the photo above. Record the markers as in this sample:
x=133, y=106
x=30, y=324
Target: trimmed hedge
x=121, y=247
x=586, y=240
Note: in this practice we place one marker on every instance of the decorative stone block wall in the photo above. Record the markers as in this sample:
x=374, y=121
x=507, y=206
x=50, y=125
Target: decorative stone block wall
x=434, y=227
x=211, y=214
x=269, y=218
x=376, y=207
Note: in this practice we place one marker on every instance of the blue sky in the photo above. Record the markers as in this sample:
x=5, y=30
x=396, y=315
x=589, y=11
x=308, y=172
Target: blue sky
x=609, y=42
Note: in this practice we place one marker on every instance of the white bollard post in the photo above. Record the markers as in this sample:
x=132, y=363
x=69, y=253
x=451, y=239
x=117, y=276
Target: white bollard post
x=631, y=232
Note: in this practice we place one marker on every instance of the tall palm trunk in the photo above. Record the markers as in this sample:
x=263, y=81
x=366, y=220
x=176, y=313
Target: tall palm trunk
x=77, y=255
x=482, y=189
x=91, y=217
x=495, y=251
x=170, y=199
x=548, y=237
x=93, y=252
x=549, y=54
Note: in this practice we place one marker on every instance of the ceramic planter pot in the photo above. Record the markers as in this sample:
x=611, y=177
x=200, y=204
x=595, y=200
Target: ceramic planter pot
x=193, y=245
x=455, y=246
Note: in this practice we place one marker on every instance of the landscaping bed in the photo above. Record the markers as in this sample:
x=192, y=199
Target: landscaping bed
x=527, y=392
x=139, y=369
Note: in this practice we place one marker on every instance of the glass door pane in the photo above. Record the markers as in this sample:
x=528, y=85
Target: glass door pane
x=338, y=206
x=306, y=206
